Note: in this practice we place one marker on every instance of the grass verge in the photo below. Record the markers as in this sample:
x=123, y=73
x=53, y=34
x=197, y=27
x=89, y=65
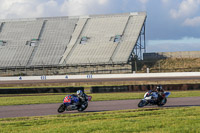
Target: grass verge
x=13, y=99
x=184, y=120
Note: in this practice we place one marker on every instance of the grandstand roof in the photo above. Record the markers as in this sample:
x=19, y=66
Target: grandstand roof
x=93, y=39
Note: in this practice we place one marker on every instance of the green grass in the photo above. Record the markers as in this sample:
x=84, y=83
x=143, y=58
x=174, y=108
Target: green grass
x=13, y=99
x=184, y=120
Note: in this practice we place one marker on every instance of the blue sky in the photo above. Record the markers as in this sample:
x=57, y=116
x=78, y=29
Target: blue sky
x=172, y=25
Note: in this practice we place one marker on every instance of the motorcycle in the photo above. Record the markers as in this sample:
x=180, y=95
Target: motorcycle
x=151, y=98
x=71, y=102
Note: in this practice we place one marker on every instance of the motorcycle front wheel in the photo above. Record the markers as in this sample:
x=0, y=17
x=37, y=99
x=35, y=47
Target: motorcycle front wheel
x=61, y=108
x=142, y=103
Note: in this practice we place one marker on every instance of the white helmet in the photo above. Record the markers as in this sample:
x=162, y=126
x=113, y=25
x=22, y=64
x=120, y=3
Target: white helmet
x=159, y=88
x=79, y=92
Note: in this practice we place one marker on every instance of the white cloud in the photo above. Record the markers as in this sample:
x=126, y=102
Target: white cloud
x=26, y=8
x=192, y=22
x=143, y=1
x=50, y=8
x=45, y=8
x=102, y=2
x=5, y=4
x=143, y=4
x=186, y=8
x=74, y=7
x=82, y=7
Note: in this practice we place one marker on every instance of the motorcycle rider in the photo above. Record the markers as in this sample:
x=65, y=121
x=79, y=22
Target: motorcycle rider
x=82, y=98
x=160, y=92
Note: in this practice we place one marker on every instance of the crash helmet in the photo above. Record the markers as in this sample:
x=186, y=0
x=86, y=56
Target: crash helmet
x=159, y=88
x=79, y=92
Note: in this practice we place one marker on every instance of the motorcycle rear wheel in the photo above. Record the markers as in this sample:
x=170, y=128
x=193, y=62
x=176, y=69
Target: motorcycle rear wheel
x=164, y=101
x=61, y=108
x=82, y=109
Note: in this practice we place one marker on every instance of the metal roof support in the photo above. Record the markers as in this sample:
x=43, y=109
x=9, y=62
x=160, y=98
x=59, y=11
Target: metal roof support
x=1, y=26
x=140, y=46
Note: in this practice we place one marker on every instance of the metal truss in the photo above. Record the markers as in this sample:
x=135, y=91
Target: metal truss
x=140, y=46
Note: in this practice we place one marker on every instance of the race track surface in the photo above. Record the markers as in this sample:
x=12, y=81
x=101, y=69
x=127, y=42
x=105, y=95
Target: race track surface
x=99, y=106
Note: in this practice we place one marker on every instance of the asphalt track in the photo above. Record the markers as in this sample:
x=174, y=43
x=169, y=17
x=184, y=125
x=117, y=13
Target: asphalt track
x=99, y=106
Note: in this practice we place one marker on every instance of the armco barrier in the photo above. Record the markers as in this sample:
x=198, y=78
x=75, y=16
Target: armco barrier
x=99, y=76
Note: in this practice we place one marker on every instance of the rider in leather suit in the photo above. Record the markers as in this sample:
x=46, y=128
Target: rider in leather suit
x=160, y=92
x=83, y=98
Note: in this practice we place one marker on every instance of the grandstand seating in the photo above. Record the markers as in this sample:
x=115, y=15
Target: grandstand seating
x=53, y=42
x=75, y=35
x=16, y=34
x=99, y=46
x=129, y=38
x=94, y=39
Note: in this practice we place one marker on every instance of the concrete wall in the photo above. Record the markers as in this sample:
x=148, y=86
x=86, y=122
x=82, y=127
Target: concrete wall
x=102, y=76
x=69, y=70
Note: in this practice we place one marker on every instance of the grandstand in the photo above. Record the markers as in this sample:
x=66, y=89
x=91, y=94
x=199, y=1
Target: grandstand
x=72, y=45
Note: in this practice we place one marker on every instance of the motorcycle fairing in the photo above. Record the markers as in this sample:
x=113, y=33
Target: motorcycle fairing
x=167, y=94
x=69, y=99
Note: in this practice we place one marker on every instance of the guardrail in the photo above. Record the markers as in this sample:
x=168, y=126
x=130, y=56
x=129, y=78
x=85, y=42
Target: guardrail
x=100, y=76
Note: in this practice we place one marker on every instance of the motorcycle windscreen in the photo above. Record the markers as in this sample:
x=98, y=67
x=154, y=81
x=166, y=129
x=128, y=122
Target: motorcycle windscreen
x=167, y=94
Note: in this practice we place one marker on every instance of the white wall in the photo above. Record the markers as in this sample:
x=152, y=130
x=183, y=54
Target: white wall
x=104, y=76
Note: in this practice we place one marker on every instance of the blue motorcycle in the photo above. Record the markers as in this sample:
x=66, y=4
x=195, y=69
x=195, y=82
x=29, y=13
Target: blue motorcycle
x=72, y=102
